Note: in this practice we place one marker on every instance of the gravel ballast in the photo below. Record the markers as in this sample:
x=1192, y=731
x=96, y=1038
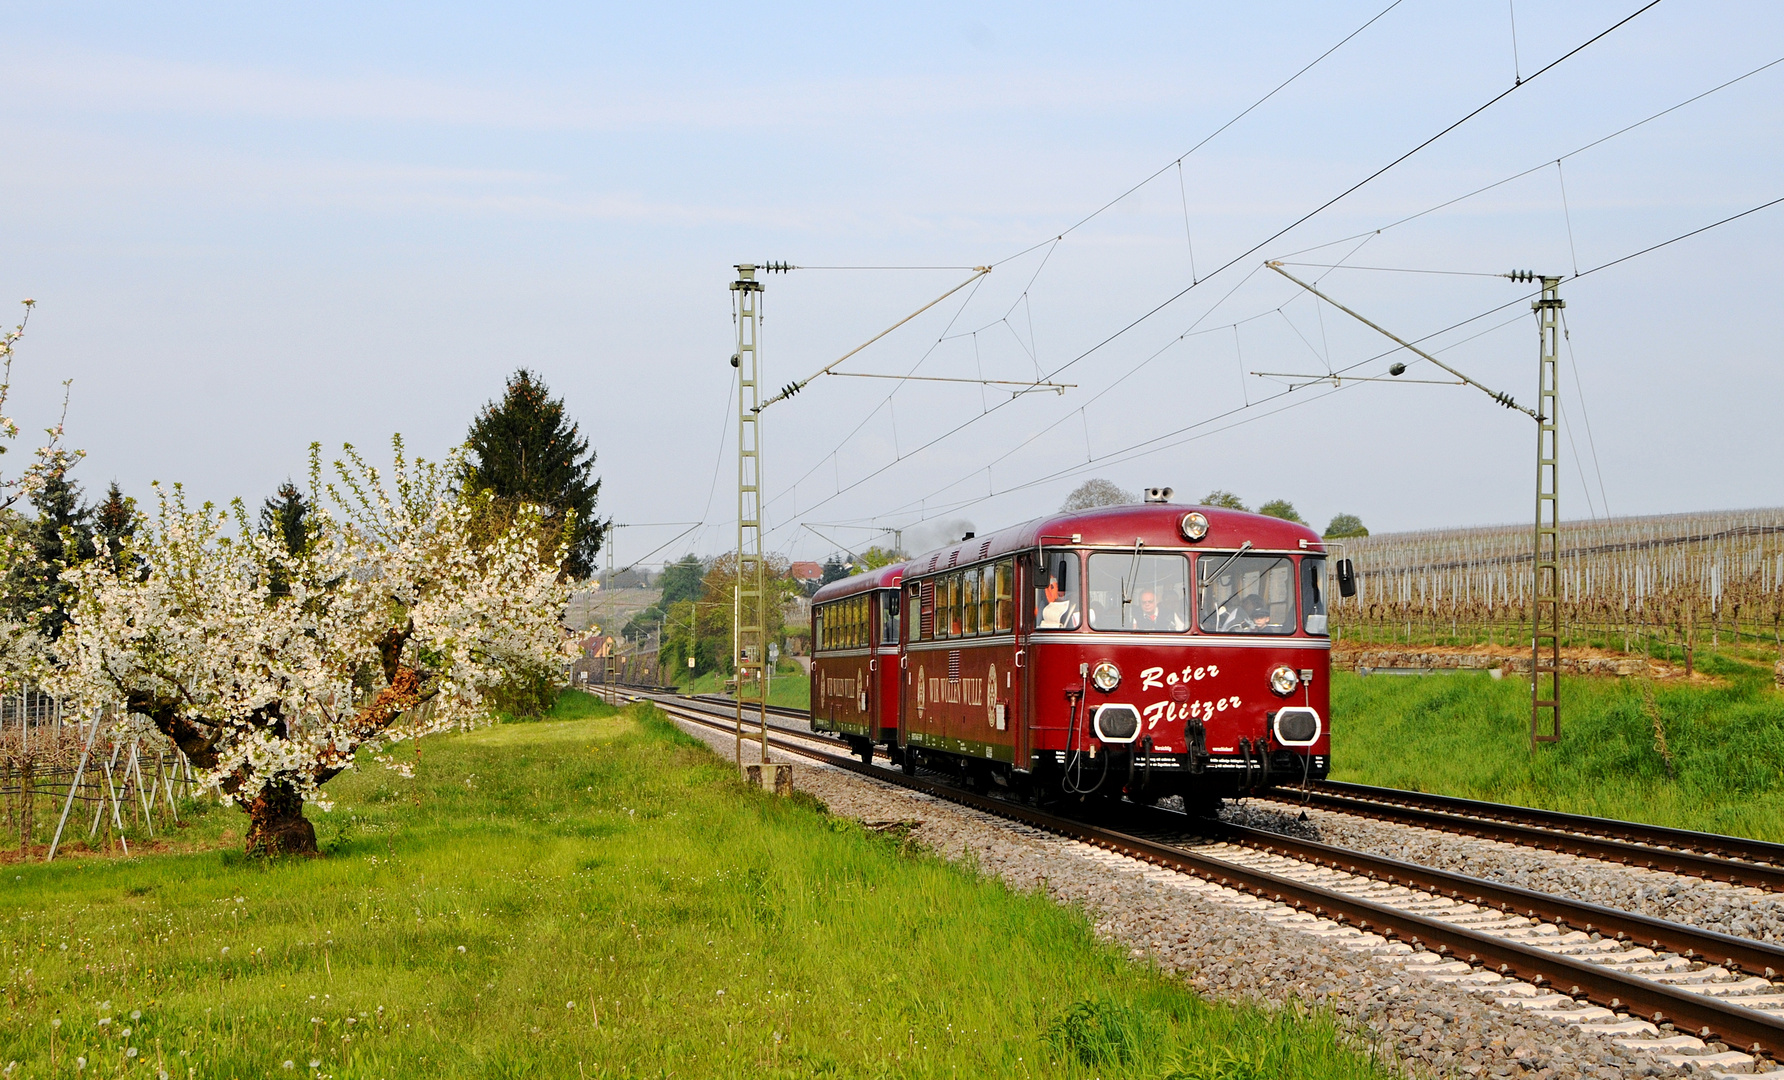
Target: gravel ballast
x=1740, y=910
x=1409, y=1007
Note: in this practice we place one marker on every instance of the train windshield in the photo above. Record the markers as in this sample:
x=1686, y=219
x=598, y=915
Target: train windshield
x=1148, y=593
x=1252, y=594
x=1056, y=592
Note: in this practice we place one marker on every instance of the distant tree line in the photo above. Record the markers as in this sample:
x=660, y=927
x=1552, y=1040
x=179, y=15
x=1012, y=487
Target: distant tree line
x=1099, y=492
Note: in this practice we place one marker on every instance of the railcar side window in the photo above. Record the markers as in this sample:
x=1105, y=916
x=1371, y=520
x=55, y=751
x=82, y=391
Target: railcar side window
x=889, y=617
x=924, y=628
x=1005, y=596
x=956, y=604
x=1313, y=594
x=1056, y=596
x=1148, y=593
x=1253, y=594
x=817, y=629
x=969, y=603
x=987, y=598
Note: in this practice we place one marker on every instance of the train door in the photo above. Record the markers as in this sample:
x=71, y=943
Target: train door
x=869, y=688
x=1022, y=700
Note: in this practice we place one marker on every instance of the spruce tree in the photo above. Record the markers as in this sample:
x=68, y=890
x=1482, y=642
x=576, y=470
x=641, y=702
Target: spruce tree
x=524, y=449
x=60, y=537
x=286, y=517
x=114, y=522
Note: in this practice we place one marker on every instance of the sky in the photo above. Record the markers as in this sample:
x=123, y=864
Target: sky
x=249, y=227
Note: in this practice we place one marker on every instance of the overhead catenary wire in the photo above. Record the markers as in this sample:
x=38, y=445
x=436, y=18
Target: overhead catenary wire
x=1285, y=230
x=1585, y=416
x=794, y=387
x=1146, y=446
x=1206, y=139
x=1538, y=168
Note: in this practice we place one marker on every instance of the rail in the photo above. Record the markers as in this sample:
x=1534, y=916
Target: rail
x=1679, y=851
x=1755, y=1031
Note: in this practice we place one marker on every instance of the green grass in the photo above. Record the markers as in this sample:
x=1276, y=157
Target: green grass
x=791, y=687
x=593, y=895
x=1464, y=733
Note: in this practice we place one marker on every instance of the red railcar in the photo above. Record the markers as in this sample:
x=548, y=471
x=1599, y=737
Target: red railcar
x=854, y=671
x=1145, y=650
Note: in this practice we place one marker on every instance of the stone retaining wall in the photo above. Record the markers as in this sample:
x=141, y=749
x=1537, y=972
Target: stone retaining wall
x=1624, y=666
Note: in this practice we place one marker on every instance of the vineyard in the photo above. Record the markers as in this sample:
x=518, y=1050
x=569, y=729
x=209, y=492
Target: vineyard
x=1654, y=586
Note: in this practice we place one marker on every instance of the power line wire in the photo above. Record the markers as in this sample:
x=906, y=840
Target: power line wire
x=1303, y=219
x=1538, y=168
x=1136, y=449
x=1178, y=161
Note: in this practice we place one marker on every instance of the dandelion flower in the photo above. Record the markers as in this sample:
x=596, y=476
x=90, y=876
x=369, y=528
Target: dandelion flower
x=290, y=1064
x=56, y=1023
x=315, y=1063
x=130, y=1053
x=461, y=948
x=136, y=1014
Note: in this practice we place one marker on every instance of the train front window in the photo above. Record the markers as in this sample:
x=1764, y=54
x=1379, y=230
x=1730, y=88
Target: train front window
x=1313, y=594
x=1056, y=592
x=1147, y=593
x=1252, y=594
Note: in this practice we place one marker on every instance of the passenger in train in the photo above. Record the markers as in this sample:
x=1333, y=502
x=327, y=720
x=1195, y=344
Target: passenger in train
x=1057, y=612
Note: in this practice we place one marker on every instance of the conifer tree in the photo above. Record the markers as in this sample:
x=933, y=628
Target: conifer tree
x=60, y=537
x=114, y=522
x=524, y=449
x=286, y=517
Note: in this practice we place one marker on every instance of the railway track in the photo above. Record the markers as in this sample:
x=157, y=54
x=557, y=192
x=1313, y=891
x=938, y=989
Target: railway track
x=1731, y=859
x=1611, y=972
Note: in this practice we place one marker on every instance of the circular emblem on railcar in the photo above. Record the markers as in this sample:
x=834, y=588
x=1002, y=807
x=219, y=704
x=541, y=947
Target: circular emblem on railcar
x=991, y=696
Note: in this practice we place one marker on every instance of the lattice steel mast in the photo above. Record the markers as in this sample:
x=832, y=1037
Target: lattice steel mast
x=749, y=612
x=1545, y=589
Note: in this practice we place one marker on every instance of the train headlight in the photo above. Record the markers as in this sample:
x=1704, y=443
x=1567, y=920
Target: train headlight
x=1194, y=526
x=1106, y=677
x=1284, y=680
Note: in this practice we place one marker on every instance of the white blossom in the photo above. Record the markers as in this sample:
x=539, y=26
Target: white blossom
x=269, y=668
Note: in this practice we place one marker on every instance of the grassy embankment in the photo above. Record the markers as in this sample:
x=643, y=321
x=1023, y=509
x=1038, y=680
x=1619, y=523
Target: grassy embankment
x=593, y=895
x=1689, y=755
x=790, y=686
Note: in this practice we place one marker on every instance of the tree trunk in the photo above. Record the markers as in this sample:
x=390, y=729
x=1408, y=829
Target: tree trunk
x=276, y=823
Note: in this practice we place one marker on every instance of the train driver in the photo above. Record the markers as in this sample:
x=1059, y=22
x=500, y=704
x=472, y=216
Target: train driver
x=1150, y=618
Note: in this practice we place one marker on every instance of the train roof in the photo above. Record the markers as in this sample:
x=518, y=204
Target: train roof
x=884, y=577
x=1154, y=524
